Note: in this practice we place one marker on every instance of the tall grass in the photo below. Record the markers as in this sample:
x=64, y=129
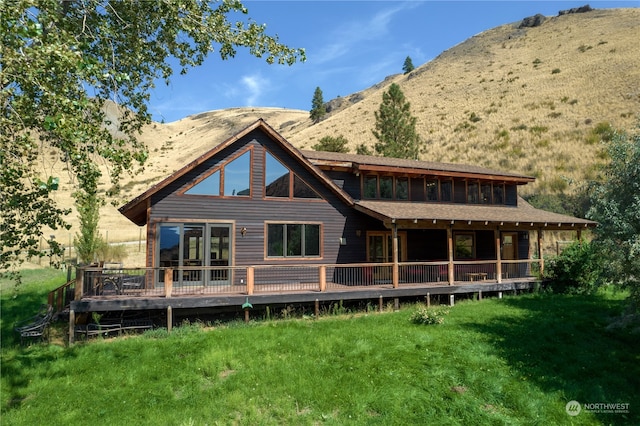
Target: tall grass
x=516, y=360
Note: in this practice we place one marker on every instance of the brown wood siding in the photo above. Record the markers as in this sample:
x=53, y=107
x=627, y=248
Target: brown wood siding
x=349, y=182
x=338, y=220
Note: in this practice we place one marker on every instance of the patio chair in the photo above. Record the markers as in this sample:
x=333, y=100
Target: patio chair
x=36, y=327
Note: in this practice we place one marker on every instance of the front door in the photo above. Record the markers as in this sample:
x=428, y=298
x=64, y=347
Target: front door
x=509, y=249
x=380, y=250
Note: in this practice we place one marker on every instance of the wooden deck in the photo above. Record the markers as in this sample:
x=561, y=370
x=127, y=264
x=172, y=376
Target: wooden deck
x=234, y=297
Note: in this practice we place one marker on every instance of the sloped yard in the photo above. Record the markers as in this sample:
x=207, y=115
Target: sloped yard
x=517, y=360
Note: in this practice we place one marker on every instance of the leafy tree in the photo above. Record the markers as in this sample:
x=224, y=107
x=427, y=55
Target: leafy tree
x=318, y=110
x=616, y=207
x=395, y=127
x=576, y=270
x=62, y=60
x=407, y=67
x=88, y=241
x=332, y=144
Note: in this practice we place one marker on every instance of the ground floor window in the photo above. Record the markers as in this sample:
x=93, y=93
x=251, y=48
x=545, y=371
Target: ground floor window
x=464, y=246
x=380, y=246
x=293, y=240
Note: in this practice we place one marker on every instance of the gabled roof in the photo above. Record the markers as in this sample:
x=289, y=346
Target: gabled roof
x=356, y=163
x=386, y=211
x=523, y=214
x=136, y=209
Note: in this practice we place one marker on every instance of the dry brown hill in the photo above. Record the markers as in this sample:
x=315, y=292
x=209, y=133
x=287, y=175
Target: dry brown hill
x=515, y=99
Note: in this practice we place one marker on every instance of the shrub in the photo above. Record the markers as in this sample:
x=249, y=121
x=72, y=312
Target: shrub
x=575, y=270
x=429, y=315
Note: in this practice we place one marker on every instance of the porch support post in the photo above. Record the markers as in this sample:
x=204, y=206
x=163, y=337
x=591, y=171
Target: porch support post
x=395, y=256
x=540, y=252
x=72, y=326
x=451, y=275
x=79, y=289
x=498, y=256
x=250, y=280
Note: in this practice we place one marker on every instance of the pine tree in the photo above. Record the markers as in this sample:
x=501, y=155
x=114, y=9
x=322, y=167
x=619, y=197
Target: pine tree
x=332, y=144
x=318, y=110
x=395, y=127
x=408, y=65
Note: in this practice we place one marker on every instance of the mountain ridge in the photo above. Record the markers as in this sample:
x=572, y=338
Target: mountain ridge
x=524, y=100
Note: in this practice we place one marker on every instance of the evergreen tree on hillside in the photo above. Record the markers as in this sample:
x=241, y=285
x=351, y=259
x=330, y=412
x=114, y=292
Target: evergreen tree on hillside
x=408, y=65
x=395, y=127
x=332, y=144
x=318, y=110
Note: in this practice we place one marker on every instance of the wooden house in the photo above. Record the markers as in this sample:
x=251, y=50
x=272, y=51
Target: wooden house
x=255, y=215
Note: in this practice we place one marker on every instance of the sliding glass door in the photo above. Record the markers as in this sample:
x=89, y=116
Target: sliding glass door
x=184, y=247
x=219, y=249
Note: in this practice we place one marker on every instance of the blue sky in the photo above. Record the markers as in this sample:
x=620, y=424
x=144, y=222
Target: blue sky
x=350, y=46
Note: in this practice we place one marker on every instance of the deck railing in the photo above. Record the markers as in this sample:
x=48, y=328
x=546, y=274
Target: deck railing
x=100, y=282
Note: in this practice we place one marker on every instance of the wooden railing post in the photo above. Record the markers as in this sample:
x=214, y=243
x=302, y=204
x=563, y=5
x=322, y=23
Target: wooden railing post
x=168, y=282
x=323, y=278
x=250, y=279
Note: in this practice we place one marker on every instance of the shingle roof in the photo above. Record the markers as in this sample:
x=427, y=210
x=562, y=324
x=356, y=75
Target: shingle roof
x=426, y=166
x=524, y=213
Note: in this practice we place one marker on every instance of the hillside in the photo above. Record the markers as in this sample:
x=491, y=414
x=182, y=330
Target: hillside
x=515, y=99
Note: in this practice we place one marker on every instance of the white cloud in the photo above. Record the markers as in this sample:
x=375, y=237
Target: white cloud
x=254, y=87
x=348, y=36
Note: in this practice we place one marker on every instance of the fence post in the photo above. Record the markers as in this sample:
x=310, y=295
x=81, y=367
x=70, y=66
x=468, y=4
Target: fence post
x=168, y=282
x=250, y=280
x=323, y=278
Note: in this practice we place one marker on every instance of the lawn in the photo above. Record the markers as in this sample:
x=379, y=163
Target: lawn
x=516, y=360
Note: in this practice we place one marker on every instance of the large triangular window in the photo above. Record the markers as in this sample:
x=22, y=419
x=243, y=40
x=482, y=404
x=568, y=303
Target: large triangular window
x=279, y=178
x=209, y=186
x=232, y=179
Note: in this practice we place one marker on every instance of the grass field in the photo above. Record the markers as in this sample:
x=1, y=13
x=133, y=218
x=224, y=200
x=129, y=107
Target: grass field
x=517, y=360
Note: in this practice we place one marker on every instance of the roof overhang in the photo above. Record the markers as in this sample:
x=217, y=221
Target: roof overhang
x=430, y=215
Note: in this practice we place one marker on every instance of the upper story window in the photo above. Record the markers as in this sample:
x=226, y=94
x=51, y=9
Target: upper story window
x=278, y=179
x=231, y=179
x=208, y=186
x=237, y=176
x=434, y=189
x=385, y=187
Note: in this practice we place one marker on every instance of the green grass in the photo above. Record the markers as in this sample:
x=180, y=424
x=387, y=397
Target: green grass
x=515, y=361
